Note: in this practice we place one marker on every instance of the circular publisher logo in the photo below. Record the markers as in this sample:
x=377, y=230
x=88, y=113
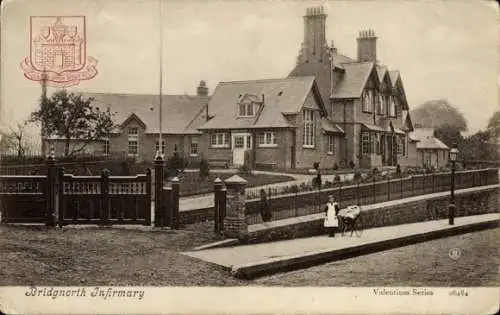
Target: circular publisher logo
x=455, y=253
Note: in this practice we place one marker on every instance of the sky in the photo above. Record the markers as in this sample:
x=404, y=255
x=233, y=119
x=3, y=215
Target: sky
x=443, y=49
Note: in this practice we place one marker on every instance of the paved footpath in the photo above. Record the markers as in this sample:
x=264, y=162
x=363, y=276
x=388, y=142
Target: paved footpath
x=207, y=200
x=245, y=255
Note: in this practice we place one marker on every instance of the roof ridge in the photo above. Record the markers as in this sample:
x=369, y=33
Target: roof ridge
x=135, y=94
x=356, y=62
x=293, y=78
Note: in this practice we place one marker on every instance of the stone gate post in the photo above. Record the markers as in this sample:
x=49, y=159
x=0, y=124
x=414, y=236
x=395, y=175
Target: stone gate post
x=235, y=224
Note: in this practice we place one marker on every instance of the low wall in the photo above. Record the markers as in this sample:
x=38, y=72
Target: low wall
x=471, y=201
x=369, y=193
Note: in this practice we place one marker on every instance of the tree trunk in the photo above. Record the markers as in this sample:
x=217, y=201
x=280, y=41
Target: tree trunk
x=66, y=147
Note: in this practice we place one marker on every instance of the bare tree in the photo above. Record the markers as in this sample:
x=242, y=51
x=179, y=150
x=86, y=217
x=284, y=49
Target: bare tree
x=17, y=137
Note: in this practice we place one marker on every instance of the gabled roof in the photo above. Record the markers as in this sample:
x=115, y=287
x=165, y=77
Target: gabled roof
x=178, y=111
x=354, y=79
x=281, y=97
x=394, y=75
x=381, y=71
x=330, y=127
x=427, y=140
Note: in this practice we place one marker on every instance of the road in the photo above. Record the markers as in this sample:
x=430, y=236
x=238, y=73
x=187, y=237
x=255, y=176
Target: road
x=425, y=264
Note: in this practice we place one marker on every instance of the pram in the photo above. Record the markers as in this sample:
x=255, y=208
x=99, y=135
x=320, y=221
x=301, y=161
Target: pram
x=350, y=219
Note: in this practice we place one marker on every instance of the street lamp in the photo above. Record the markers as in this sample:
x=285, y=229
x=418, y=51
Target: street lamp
x=451, y=208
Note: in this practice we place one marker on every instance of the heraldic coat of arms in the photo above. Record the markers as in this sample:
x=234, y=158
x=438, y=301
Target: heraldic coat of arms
x=58, y=52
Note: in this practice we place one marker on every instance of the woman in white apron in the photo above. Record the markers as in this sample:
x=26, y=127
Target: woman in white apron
x=331, y=222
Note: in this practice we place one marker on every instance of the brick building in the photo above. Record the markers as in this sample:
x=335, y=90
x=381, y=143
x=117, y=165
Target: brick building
x=431, y=151
x=280, y=122
x=362, y=96
x=137, y=125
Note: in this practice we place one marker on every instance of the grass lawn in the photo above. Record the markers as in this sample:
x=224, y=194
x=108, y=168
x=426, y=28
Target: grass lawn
x=192, y=184
x=106, y=256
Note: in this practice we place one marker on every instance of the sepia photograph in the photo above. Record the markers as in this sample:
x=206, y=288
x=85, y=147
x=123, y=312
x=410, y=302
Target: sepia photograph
x=164, y=156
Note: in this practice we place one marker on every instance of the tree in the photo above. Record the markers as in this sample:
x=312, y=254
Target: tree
x=436, y=113
x=15, y=140
x=494, y=125
x=72, y=117
x=449, y=134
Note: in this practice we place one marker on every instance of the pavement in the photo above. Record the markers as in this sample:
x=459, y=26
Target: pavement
x=254, y=260
x=207, y=200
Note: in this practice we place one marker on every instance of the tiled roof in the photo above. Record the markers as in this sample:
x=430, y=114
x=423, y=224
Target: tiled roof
x=330, y=127
x=281, y=96
x=427, y=140
x=431, y=143
x=178, y=111
x=354, y=79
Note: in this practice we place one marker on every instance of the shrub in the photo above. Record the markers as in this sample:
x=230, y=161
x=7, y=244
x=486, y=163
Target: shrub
x=337, y=178
x=352, y=165
x=398, y=170
x=316, y=165
x=335, y=167
x=204, y=169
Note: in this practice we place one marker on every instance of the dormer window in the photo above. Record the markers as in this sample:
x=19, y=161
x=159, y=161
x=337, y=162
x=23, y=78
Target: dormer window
x=247, y=110
x=248, y=105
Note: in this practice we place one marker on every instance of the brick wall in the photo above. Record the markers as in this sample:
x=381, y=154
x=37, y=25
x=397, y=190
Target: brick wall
x=474, y=203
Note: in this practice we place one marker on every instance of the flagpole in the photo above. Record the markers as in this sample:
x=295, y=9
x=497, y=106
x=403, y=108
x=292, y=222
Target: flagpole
x=160, y=146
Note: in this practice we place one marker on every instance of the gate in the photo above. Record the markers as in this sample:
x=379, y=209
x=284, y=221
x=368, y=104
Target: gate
x=23, y=199
x=104, y=199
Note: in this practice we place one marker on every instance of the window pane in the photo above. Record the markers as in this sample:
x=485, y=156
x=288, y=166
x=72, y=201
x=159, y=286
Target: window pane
x=242, y=110
x=214, y=139
x=220, y=139
x=268, y=138
x=249, y=109
x=239, y=142
x=274, y=137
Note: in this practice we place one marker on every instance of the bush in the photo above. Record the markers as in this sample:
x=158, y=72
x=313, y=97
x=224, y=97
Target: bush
x=352, y=165
x=204, y=169
x=335, y=167
x=316, y=165
x=337, y=178
x=398, y=170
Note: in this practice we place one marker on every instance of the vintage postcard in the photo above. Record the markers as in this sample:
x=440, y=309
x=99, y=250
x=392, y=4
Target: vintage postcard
x=196, y=157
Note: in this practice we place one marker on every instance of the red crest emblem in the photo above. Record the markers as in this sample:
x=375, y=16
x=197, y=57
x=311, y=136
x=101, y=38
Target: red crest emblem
x=58, y=51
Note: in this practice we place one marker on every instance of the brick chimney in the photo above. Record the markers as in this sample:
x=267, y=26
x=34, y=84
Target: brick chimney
x=314, y=34
x=367, y=46
x=202, y=89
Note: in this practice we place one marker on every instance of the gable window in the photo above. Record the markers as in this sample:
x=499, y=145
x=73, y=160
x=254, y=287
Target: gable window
x=133, y=147
x=367, y=100
x=309, y=128
x=267, y=139
x=392, y=107
x=194, y=146
x=133, y=131
x=331, y=145
x=219, y=140
x=366, y=145
x=157, y=146
x=381, y=105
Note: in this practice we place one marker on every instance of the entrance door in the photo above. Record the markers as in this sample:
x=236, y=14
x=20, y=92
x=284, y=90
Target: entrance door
x=241, y=142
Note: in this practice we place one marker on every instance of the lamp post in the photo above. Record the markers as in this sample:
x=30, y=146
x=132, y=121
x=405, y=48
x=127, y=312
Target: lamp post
x=451, y=208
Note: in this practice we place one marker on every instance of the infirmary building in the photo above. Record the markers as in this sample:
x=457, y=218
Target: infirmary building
x=330, y=109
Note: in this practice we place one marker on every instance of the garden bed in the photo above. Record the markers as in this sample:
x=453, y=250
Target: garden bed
x=192, y=184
